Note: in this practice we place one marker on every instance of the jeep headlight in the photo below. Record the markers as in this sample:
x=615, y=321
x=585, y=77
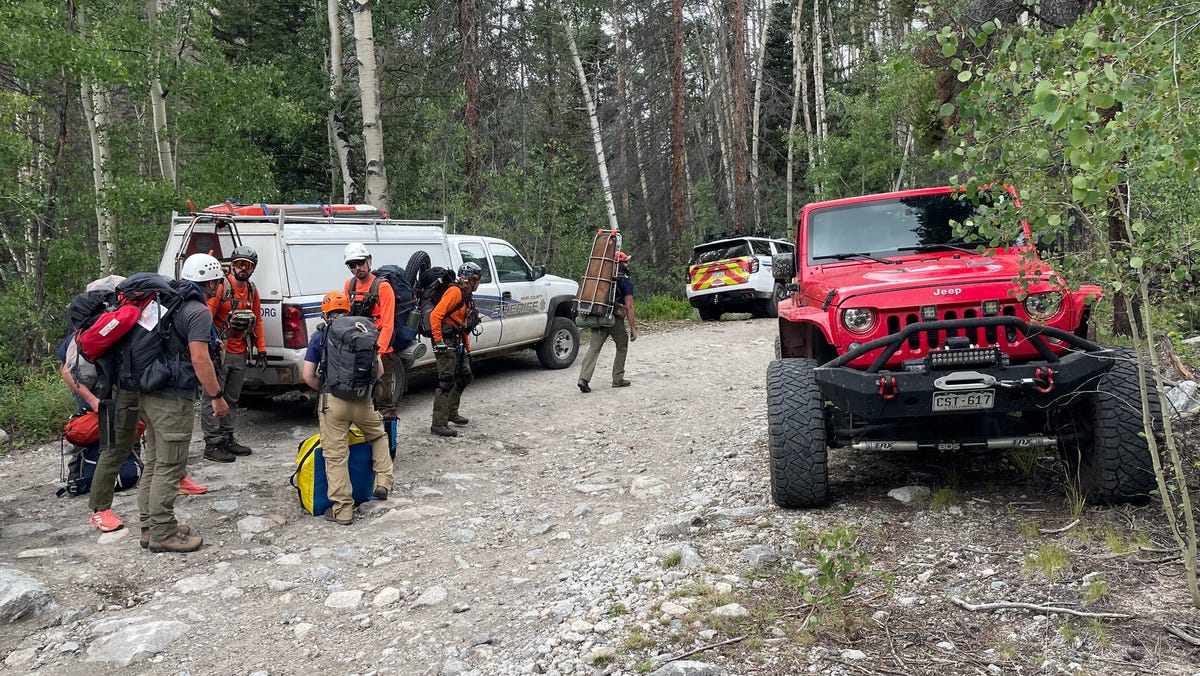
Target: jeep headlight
x=858, y=319
x=1043, y=306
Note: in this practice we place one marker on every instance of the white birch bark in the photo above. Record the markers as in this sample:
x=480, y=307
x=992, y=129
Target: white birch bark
x=158, y=105
x=799, y=97
x=722, y=107
x=368, y=91
x=756, y=121
x=95, y=109
x=338, y=138
x=821, y=127
x=597, y=140
x=641, y=169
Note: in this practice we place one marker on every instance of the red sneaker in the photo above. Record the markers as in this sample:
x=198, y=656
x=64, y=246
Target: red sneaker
x=189, y=487
x=106, y=521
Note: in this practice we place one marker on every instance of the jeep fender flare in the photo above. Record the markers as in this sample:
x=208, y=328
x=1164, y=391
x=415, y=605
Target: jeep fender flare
x=806, y=335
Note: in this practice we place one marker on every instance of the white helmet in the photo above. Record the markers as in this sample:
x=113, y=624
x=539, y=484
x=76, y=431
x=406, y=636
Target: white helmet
x=201, y=268
x=356, y=251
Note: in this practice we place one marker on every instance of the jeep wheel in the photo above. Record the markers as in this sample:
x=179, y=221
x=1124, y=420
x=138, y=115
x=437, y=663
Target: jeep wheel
x=1101, y=438
x=796, y=431
x=709, y=314
x=771, y=305
x=561, y=344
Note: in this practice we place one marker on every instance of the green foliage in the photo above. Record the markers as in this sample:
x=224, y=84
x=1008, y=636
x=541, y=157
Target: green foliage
x=944, y=497
x=672, y=560
x=1097, y=590
x=36, y=407
x=840, y=565
x=1049, y=560
x=662, y=309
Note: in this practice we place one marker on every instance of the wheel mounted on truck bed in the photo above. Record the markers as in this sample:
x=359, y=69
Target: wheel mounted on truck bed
x=796, y=431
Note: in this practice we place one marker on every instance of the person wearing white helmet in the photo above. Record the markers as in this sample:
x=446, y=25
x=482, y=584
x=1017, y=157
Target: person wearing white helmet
x=168, y=410
x=371, y=297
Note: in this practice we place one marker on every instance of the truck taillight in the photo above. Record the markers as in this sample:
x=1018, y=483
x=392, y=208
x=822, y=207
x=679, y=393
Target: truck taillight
x=753, y=264
x=295, y=333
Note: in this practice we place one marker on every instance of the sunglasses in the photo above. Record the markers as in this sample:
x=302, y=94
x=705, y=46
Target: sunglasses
x=355, y=264
x=242, y=265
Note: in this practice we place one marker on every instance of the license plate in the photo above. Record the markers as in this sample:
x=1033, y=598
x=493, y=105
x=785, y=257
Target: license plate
x=964, y=401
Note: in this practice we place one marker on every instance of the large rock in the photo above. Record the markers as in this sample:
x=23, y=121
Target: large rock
x=21, y=596
x=136, y=642
x=1184, y=398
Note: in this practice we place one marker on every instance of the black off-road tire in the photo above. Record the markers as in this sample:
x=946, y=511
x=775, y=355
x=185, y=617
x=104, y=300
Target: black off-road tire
x=1102, y=438
x=771, y=305
x=778, y=347
x=418, y=263
x=709, y=314
x=796, y=435
x=561, y=344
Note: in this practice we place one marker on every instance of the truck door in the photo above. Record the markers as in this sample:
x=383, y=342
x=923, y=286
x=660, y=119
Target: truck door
x=487, y=297
x=523, y=298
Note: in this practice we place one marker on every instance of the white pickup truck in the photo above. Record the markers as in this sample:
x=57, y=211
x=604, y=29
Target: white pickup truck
x=300, y=260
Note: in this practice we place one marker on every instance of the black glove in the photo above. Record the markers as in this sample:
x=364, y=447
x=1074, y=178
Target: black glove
x=260, y=360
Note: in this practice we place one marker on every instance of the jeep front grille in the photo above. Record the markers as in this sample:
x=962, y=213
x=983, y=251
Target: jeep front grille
x=921, y=342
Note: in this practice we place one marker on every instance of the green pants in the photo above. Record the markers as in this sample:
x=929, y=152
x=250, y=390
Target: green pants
x=231, y=374
x=168, y=435
x=387, y=401
x=109, y=465
x=335, y=416
x=620, y=338
x=454, y=375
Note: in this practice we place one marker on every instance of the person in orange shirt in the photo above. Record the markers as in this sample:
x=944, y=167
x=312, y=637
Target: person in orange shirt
x=372, y=297
x=452, y=322
x=237, y=314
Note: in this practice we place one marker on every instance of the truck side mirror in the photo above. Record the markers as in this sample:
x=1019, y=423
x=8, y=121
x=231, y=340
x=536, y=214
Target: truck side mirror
x=539, y=271
x=783, y=266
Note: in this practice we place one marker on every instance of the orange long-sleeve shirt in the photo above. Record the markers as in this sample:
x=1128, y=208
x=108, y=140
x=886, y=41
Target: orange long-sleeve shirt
x=384, y=312
x=221, y=307
x=451, y=298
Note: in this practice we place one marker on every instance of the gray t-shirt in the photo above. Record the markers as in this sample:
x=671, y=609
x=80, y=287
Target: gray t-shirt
x=192, y=323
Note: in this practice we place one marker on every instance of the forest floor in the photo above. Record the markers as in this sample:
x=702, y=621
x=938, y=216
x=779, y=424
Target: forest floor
x=622, y=531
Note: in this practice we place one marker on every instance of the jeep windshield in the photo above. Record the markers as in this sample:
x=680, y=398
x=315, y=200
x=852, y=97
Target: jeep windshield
x=907, y=224
x=719, y=251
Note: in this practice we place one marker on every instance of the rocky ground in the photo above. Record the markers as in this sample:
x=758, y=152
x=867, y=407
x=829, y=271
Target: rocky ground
x=623, y=531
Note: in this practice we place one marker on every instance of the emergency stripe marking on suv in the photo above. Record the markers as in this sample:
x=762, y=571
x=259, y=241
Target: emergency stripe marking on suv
x=720, y=273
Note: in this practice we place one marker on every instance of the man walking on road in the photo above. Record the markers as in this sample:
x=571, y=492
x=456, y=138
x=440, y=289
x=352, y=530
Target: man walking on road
x=452, y=323
x=622, y=309
x=372, y=297
x=167, y=405
x=237, y=314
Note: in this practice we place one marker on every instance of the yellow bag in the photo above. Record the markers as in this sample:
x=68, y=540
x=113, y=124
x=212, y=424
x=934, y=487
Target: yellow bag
x=311, y=484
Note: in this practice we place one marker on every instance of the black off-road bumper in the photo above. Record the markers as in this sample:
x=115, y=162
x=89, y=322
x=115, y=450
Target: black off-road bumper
x=967, y=388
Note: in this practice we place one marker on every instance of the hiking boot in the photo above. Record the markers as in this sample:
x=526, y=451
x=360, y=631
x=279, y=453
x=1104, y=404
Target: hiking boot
x=329, y=516
x=622, y=383
x=443, y=431
x=184, y=530
x=237, y=449
x=583, y=386
x=381, y=492
x=106, y=521
x=178, y=543
x=458, y=419
x=218, y=453
x=189, y=487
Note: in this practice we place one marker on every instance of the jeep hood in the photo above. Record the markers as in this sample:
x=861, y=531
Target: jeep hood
x=923, y=271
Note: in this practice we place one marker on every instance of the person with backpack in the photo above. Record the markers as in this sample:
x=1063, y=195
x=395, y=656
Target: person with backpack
x=342, y=364
x=452, y=322
x=165, y=358
x=622, y=310
x=237, y=316
x=370, y=297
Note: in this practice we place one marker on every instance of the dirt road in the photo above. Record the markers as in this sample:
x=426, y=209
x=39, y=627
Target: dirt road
x=610, y=532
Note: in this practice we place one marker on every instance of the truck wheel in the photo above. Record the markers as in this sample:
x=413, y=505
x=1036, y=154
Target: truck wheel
x=778, y=347
x=399, y=379
x=709, y=314
x=796, y=435
x=1102, y=438
x=417, y=264
x=561, y=344
x=771, y=305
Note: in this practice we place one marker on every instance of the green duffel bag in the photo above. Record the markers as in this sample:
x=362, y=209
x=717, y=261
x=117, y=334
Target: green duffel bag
x=594, y=321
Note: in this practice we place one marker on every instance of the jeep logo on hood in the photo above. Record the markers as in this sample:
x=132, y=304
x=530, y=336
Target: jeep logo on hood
x=947, y=292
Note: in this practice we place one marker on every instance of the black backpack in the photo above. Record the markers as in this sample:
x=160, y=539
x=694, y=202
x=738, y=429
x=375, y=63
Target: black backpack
x=348, y=365
x=430, y=287
x=363, y=305
x=155, y=356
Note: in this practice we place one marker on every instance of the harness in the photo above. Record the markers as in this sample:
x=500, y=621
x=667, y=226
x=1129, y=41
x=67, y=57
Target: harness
x=241, y=317
x=470, y=318
x=363, y=304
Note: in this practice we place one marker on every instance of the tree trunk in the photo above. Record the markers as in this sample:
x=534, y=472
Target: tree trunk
x=799, y=78
x=645, y=184
x=368, y=92
x=820, y=126
x=95, y=111
x=737, y=77
x=158, y=103
x=719, y=97
x=470, y=76
x=597, y=139
x=338, y=138
x=759, y=76
x=623, y=118
x=678, y=186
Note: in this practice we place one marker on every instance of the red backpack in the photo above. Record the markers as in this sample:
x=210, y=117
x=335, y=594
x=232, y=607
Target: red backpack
x=110, y=326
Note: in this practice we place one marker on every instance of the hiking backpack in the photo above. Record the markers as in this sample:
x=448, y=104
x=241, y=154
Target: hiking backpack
x=101, y=318
x=362, y=304
x=154, y=356
x=430, y=288
x=348, y=365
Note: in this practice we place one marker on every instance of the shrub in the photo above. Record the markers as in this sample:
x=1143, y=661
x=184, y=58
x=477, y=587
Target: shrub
x=36, y=408
x=661, y=308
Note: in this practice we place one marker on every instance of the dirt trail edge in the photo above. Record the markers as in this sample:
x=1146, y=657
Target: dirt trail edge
x=611, y=532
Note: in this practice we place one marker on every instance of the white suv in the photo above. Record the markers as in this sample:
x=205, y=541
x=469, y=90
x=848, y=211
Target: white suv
x=733, y=274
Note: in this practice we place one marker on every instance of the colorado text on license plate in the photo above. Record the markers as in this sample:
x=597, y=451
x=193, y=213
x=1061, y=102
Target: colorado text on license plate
x=963, y=401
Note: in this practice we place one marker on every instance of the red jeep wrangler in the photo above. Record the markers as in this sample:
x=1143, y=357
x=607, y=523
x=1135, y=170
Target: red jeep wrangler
x=899, y=334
